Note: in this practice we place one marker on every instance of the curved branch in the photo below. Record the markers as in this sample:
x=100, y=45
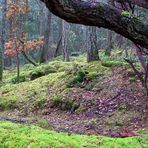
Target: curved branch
x=100, y=15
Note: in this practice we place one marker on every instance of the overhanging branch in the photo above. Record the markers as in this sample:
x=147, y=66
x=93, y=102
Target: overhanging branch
x=100, y=15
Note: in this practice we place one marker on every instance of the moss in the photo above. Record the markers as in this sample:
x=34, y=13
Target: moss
x=32, y=94
x=39, y=103
x=90, y=85
x=8, y=104
x=116, y=123
x=93, y=75
x=63, y=104
x=112, y=63
x=49, y=81
x=100, y=9
x=41, y=122
x=143, y=131
x=77, y=78
x=22, y=78
x=16, y=136
x=41, y=71
x=126, y=14
x=132, y=79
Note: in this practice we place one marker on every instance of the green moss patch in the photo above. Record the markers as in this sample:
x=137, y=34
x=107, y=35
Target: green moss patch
x=16, y=136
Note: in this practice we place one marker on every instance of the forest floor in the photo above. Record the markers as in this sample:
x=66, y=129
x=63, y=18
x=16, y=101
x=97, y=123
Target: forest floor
x=98, y=98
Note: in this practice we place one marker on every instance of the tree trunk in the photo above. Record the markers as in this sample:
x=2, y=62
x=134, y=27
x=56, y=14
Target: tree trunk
x=59, y=44
x=64, y=41
x=18, y=67
x=47, y=27
x=3, y=36
x=92, y=50
x=109, y=43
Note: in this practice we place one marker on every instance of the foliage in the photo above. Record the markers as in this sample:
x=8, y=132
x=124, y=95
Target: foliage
x=18, y=43
x=16, y=46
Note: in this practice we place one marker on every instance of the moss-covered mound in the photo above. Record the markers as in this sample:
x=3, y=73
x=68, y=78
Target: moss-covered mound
x=47, y=81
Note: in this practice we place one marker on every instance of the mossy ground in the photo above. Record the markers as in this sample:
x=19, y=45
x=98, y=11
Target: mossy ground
x=22, y=136
x=75, y=88
x=57, y=75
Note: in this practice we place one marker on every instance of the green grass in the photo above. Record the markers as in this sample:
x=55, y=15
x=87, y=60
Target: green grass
x=22, y=136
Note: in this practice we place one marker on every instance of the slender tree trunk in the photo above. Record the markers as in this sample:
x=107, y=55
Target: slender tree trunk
x=92, y=50
x=3, y=36
x=18, y=67
x=141, y=58
x=47, y=28
x=58, y=47
x=109, y=43
x=64, y=41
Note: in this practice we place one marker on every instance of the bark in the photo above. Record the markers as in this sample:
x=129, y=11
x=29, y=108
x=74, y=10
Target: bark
x=47, y=27
x=58, y=50
x=141, y=58
x=18, y=67
x=109, y=43
x=64, y=41
x=58, y=47
x=92, y=50
x=100, y=15
x=3, y=35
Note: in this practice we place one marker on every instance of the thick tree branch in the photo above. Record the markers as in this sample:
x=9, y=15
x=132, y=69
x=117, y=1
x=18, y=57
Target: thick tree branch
x=100, y=15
